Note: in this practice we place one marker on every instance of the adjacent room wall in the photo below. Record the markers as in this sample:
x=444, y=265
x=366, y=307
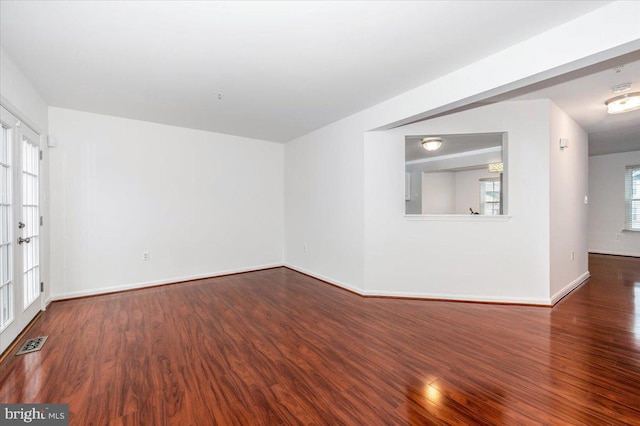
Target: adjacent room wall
x=22, y=99
x=452, y=192
x=414, y=206
x=568, y=179
x=468, y=189
x=607, y=205
x=199, y=203
x=438, y=193
x=485, y=258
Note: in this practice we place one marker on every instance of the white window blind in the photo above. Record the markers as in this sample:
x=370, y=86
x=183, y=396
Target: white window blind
x=632, y=198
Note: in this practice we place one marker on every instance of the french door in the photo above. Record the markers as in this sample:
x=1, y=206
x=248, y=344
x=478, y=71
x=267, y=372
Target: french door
x=19, y=227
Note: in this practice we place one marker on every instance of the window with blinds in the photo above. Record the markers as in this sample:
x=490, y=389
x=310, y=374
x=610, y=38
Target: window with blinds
x=632, y=198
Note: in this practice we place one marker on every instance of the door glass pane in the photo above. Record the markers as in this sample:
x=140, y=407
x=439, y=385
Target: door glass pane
x=6, y=273
x=30, y=217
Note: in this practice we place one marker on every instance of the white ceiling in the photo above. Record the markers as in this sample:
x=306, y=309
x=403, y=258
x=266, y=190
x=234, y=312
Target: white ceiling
x=284, y=68
x=583, y=98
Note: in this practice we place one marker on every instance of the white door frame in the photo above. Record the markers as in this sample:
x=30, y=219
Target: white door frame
x=22, y=315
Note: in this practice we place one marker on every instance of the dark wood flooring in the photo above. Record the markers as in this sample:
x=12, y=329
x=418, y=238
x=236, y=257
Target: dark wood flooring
x=278, y=347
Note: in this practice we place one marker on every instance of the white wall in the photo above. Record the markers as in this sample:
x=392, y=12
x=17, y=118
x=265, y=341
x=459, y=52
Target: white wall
x=468, y=189
x=324, y=204
x=200, y=203
x=330, y=160
x=448, y=258
x=438, y=193
x=568, y=178
x=22, y=99
x=607, y=205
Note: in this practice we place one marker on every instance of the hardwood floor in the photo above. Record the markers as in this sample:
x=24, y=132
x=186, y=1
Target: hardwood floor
x=278, y=347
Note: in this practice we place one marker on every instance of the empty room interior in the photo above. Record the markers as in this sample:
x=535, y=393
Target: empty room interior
x=367, y=213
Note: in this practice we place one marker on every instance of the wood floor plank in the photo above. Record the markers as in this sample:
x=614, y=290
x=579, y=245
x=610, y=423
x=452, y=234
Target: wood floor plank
x=279, y=347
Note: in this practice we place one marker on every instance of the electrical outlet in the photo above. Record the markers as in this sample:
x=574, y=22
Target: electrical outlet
x=618, y=237
x=573, y=255
x=304, y=247
x=146, y=256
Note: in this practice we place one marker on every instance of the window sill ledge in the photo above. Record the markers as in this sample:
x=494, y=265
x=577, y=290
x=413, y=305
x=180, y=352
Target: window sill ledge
x=457, y=218
x=633, y=231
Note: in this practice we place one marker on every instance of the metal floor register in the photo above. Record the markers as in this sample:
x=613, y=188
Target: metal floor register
x=32, y=345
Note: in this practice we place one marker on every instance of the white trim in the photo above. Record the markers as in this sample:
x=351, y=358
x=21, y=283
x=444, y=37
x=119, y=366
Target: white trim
x=455, y=297
x=458, y=217
x=461, y=297
x=326, y=279
x=4, y=102
x=7, y=325
x=569, y=287
x=457, y=155
x=33, y=301
x=410, y=295
x=117, y=288
x=615, y=253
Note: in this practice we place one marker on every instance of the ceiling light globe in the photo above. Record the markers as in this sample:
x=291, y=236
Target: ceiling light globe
x=624, y=103
x=431, y=144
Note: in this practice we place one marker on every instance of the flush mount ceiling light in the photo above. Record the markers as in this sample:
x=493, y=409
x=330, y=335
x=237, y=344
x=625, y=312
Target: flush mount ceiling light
x=431, y=144
x=623, y=103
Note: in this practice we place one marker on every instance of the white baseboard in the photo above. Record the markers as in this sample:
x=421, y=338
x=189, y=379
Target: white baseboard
x=569, y=288
x=461, y=298
x=407, y=295
x=457, y=297
x=112, y=289
x=615, y=253
x=46, y=303
x=344, y=285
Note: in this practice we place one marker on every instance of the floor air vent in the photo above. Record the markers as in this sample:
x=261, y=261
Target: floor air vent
x=32, y=345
